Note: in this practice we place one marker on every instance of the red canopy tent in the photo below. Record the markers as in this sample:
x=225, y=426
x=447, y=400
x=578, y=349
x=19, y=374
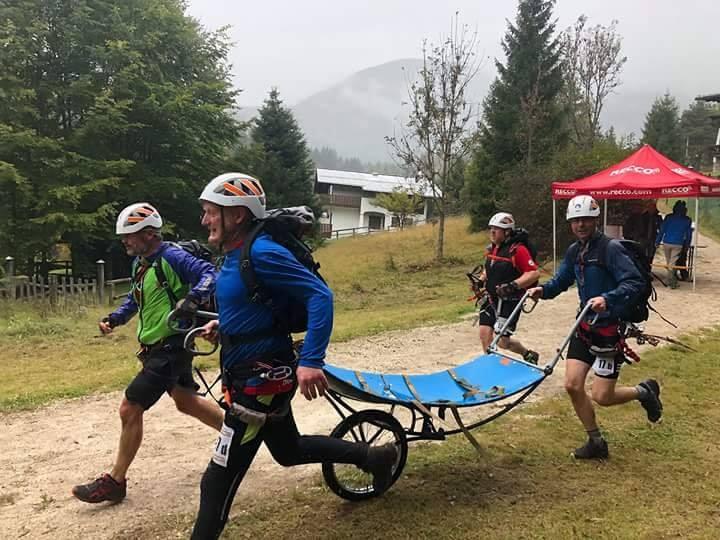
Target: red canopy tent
x=646, y=174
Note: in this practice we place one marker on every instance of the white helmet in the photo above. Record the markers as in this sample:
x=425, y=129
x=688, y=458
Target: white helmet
x=582, y=206
x=502, y=220
x=236, y=189
x=136, y=217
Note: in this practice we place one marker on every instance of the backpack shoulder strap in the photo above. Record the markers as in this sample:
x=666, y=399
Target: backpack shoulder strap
x=247, y=272
x=163, y=281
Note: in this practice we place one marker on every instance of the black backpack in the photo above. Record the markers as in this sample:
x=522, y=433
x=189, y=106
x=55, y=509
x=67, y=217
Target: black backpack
x=197, y=250
x=522, y=236
x=638, y=308
x=286, y=226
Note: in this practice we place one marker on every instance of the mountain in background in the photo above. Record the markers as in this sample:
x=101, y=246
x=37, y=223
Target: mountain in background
x=354, y=116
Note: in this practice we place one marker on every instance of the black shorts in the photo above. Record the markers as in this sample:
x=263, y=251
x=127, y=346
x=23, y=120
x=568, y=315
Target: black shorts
x=496, y=313
x=605, y=368
x=165, y=366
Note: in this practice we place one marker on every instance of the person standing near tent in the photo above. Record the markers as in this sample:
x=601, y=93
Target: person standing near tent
x=260, y=368
x=509, y=269
x=675, y=232
x=607, y=287
x=654, y=223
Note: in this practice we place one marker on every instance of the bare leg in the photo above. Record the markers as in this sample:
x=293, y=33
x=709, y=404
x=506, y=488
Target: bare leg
x=486, y=336
x=131, y=417
x=512, y=345
x=207, y=411
x=575, y=375
x=606, y=393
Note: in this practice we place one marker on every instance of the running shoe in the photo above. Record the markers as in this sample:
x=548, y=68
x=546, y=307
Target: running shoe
x=100, y=490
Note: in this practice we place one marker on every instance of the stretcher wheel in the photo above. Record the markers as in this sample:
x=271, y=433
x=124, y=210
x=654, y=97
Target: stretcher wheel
x=375, y=428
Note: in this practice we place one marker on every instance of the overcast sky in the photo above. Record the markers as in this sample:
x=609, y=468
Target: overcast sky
x=305, y=46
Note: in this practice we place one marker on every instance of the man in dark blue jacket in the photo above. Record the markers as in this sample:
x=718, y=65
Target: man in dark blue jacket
x=260, y=368
x=609, y=281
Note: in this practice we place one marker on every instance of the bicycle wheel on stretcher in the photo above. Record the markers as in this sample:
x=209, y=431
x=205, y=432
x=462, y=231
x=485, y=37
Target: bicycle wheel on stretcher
x=375, y=428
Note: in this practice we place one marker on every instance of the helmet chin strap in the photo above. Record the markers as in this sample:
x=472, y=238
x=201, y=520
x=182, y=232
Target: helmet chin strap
x=235, y=237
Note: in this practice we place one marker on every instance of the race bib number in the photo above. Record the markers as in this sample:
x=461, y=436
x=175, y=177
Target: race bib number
x=604, y=366
x=222, y=447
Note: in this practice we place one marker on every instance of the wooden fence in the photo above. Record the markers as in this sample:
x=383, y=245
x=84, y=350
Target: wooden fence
x=113, y=283
x=57, y=289
x=362, y=231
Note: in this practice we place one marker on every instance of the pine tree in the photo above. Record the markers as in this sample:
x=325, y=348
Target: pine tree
x=105, y=103
x=662, y=128
x=279, y=157
x=698, y=134
x=522, y=120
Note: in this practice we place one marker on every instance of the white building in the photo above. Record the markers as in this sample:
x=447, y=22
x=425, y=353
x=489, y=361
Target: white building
x=348, y=199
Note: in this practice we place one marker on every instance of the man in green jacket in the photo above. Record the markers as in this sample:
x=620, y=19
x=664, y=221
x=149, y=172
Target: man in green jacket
x=162, y=273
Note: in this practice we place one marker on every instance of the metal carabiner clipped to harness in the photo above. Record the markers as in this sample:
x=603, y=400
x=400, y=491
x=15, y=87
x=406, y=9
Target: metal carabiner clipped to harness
x=278, y=373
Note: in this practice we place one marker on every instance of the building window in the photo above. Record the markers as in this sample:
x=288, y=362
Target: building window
x=376, y=222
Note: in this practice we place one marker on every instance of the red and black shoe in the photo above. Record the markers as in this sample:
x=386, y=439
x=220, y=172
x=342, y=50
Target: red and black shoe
x=105, y=488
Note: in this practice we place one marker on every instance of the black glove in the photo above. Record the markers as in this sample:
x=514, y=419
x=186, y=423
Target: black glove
x=507, y=290
x=111, y=320
x=190, y=304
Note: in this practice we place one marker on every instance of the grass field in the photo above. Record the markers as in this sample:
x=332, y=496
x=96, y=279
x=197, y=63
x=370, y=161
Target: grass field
x=381, y=282
x=661, y=481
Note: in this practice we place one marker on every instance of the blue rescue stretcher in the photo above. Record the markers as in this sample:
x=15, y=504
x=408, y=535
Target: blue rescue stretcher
x=425, y=404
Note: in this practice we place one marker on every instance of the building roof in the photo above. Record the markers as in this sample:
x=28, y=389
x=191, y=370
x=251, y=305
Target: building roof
x=709, y=97
x=379, y=183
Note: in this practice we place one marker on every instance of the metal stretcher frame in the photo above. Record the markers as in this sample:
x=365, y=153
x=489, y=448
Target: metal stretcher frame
x=427, y=419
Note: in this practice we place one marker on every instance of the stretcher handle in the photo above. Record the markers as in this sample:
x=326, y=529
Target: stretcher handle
x=189, y=343
x=177, y=317
x=551, y=366
x=514, y=315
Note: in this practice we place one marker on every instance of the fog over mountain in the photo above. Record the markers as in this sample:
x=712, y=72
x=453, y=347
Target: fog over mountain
x=336, y=63
x=354, y=116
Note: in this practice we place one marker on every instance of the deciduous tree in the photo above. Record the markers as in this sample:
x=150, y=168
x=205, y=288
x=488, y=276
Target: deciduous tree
x=435, y=138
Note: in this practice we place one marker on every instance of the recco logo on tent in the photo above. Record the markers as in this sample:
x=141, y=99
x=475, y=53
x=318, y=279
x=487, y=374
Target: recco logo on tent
x=635, y=169
x=683, y=189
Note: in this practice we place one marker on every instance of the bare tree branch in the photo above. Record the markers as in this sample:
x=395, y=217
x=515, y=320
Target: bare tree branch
x=592, y=63
x=435, y=137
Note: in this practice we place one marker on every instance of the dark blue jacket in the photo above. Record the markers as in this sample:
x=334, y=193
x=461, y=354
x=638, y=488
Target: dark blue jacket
x=617, y=280
x=283, y=276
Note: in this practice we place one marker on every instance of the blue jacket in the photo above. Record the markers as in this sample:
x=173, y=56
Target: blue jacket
x=182, y=272
x=676, y=229
x=617, y=280
x=283, y=276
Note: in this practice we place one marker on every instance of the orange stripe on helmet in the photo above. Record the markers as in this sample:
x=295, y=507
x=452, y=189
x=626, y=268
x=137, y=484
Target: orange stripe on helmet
x=252, y=186
x=135, y=219
x=234, y=189
x=145, y=210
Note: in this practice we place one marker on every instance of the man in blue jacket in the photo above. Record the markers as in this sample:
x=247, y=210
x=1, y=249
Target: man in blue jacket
x=608, y=281
x=675, y=233
x=260, y=369
x=162, y=274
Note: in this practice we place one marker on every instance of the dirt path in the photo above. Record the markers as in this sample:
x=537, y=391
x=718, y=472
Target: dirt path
x=45, y=452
